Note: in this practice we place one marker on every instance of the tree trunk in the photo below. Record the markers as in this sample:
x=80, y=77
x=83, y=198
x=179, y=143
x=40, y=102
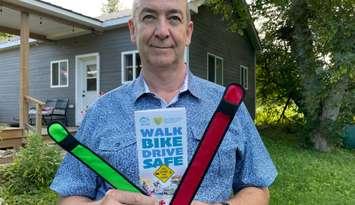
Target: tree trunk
x=329, y=115
x=302, y=47
x=301, y=44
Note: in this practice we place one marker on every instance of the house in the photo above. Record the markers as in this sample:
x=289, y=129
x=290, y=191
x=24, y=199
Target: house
x=79, y=57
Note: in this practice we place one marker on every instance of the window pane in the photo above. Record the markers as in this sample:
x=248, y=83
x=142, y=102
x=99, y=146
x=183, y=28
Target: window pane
x=128, y=67
x=91, y=71
x=63, y=73
x=128, y=59
x=55, y=77
x=219, y=71
x=91, y=84
x=91, y=74
x=211, y=68
x=138, y=65
x=129, y=74
x=244, y=77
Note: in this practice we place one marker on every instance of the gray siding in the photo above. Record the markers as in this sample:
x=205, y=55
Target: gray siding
x=9, y=85
x=211, y=36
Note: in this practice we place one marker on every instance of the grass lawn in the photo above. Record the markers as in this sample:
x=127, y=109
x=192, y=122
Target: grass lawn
x=309, y=177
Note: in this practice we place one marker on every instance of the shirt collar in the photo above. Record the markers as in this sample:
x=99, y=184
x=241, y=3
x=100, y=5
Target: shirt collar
x=191, y=84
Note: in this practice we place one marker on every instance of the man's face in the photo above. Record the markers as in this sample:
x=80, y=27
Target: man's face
x=161, y=30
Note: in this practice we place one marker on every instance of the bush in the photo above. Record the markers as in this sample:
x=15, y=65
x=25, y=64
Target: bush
x=43, y=196
x=268, y=115
x=33, y=168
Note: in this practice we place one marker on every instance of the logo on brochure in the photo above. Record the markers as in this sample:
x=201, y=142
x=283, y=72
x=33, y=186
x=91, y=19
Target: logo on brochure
x=158, y=120
x=144, y=121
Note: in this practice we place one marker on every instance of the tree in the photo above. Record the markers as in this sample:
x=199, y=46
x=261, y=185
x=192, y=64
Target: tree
x=308, y=56
x=4, y=36
x=111, y=6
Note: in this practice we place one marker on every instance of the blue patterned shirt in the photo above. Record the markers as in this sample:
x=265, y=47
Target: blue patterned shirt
x=108, y=129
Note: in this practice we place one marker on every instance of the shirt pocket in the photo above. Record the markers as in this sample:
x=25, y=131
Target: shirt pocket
x=120, y=150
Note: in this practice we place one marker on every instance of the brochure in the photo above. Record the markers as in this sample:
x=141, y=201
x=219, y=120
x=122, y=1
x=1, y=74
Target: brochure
x=162, y=150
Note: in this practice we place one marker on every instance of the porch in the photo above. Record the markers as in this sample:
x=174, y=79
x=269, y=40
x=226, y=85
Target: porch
x=12, y=138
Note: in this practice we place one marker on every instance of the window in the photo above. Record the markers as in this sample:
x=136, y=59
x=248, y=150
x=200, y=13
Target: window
x=59, y=74
x=215, y=69
x=91, y=77
x=244, y=76
x=130, y=65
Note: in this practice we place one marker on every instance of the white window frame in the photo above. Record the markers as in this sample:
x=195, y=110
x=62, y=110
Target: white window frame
x=134, y=52
x=215, y=67
x=59, y=76
x=244, y=76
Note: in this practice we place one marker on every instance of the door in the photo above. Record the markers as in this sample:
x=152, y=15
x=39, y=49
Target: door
x=87, y=84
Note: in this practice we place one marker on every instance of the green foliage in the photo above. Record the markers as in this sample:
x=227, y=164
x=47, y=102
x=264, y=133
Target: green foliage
x=33, y=168
x=308, y=55
x=42, y=196
x=4, y=36
x=268, y=115
x=111, y=6
x=309, y=177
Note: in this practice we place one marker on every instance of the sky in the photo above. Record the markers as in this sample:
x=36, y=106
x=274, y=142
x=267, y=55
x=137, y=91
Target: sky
x=87, y=7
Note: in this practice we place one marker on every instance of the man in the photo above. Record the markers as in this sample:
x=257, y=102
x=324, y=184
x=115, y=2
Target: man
x=241, y=170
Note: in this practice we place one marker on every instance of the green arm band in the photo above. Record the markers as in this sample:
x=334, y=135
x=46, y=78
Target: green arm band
x=93, y=161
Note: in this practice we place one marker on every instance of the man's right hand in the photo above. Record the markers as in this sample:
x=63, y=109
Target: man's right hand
x=116, y=197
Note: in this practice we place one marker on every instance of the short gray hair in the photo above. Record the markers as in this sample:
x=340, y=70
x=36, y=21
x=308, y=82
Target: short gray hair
x=188, y=13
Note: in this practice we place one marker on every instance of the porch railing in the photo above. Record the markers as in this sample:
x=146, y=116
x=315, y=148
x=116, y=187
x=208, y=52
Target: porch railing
x=38, y=116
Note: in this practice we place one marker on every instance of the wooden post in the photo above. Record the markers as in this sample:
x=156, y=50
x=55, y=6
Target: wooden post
x=24, y=52
x=39, y=118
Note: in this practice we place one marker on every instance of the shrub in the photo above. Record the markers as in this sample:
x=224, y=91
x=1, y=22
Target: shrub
x=43, y=196
x=269, y=115
x=33, y=168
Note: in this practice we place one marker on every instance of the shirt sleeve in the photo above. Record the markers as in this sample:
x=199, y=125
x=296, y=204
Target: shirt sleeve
x=73, y=178
x=255, y=167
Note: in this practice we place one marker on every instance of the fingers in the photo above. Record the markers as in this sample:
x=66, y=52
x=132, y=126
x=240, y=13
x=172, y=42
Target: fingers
x=129, y=198
x=198, y=203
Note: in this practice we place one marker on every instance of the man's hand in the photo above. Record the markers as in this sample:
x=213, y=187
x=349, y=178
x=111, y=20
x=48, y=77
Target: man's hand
x=202, y=203
x=116, y=197
x=198, y=203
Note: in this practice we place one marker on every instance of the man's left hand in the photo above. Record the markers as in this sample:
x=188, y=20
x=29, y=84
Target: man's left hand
x=202, y=203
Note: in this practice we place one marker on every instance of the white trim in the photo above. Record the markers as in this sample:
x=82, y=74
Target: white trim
x=242, y=77
x=59, y=76
x=77, y=58
x=215, y=67
x=134, y=53
x=116, y=22
x=254, y=88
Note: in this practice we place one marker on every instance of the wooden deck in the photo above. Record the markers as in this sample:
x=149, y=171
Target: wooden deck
x=12, y=138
